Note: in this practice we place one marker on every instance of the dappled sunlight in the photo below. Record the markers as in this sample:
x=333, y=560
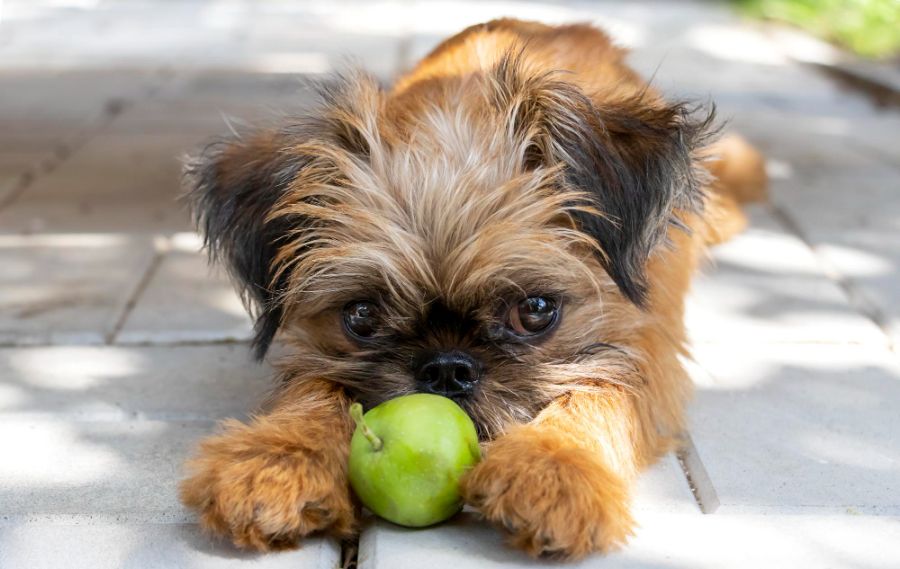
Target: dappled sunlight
x=810, y=424
x=735, y=43
x=443, y=17
x=779, y=169
x=11, y=396
x=67, y=241
x=766, y=250
x=734, y=540
x=854, y=261
x=71, y=368
x=186, y=242
x=227, y=302
x=53, y=454
x=311, y=63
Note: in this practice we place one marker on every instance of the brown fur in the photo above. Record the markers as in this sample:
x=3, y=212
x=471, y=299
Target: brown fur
x=516, y=159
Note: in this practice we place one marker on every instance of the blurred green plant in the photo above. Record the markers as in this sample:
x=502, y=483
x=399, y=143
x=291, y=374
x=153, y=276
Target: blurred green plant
x=870, y=28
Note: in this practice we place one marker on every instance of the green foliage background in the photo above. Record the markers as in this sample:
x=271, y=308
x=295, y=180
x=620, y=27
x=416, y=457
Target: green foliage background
x=870, y=28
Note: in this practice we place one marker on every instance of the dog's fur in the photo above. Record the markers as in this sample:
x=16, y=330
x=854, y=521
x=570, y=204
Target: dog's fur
x=516, y=159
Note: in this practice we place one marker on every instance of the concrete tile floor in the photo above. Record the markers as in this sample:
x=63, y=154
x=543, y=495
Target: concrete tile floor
x=119, y=349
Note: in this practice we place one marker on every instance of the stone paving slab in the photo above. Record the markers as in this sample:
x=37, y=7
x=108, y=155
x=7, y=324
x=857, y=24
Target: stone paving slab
x=139, y=216
x=675, y=541
x=94, y=440
x=306, y=37
x=118, y=167
x=206, y=103
x=59, y=102
x=799, y=428
x=113, y=183
x=187, y=300
x=113, y=383
x=852, y=220
x=143, y=546
x=810, y=146
x=67, y=288
x=75, y=470
x=473, y=543
x=765, y=285
x=664, y=488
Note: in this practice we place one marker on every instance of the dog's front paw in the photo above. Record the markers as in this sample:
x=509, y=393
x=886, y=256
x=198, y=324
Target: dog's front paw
x=552, y=497
x=266, y=496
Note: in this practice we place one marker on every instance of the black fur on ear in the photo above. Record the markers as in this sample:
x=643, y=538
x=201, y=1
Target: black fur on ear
x=235, y=184
x=632, y=156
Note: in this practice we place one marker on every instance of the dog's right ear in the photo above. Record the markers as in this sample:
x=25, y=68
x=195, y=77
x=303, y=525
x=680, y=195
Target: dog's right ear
x=241, y=189
x=233, y=185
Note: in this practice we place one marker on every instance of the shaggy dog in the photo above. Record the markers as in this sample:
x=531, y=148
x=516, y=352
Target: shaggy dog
x=513, y=225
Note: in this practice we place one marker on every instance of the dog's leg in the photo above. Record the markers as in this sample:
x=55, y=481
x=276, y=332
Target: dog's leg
x=280, y=477
x=560, y=485
x=739, y=177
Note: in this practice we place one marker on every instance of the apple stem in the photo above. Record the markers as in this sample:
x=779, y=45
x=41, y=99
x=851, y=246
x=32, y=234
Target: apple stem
x=356, y=411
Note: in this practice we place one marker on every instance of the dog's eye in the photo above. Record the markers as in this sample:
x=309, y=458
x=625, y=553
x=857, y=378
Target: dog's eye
x=533, y=315
x=361, y=319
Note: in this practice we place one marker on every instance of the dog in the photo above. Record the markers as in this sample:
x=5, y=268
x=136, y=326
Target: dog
x=514, y=225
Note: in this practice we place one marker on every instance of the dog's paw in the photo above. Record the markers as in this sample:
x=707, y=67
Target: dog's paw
x=553, y=498
x=267, y=498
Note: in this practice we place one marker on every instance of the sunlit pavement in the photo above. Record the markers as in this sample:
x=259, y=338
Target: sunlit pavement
x=120, y=348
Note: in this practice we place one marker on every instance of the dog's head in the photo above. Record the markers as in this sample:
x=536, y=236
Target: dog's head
x=485, y=238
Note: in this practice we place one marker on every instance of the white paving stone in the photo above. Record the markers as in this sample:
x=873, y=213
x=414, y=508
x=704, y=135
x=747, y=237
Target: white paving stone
x=766, y=285
x=664, y=488
x=81, y=470
x=103, y=432
x=187, y=300
x=803, y=146
x=94, y=440
x=114, y=383
x=800, y=428
x=664, y=540
x=467, y=541
x=143, y=546
x=67, y=288
x=852, y=219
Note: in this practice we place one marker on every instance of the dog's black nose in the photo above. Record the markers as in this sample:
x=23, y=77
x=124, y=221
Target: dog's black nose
x=452, y=374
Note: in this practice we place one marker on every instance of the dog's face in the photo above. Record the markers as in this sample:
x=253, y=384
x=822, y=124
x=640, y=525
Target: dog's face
x=484, y=239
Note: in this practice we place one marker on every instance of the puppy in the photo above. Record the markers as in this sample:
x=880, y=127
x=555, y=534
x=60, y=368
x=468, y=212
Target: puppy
x=513, y=225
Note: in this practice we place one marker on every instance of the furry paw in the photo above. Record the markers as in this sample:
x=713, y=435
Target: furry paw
x=552, y=497
x=267, y=496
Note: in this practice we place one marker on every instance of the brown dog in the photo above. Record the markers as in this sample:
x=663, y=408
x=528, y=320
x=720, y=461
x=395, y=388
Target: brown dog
x=513, y=225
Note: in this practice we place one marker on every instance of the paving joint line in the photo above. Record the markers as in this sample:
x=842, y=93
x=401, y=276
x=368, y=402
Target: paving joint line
x=698, y=478
x=350, y=552
x=852, y=292
x=112, y=107
x=161, y=246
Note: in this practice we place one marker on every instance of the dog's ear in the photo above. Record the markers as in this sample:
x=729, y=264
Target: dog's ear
x=238, y=187
x=633, y=159
x=233, y=186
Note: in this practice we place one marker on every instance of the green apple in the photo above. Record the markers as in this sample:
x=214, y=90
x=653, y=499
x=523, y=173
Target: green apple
x=407, y=456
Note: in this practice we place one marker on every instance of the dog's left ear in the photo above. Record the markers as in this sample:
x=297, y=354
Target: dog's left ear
x=633, y=158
